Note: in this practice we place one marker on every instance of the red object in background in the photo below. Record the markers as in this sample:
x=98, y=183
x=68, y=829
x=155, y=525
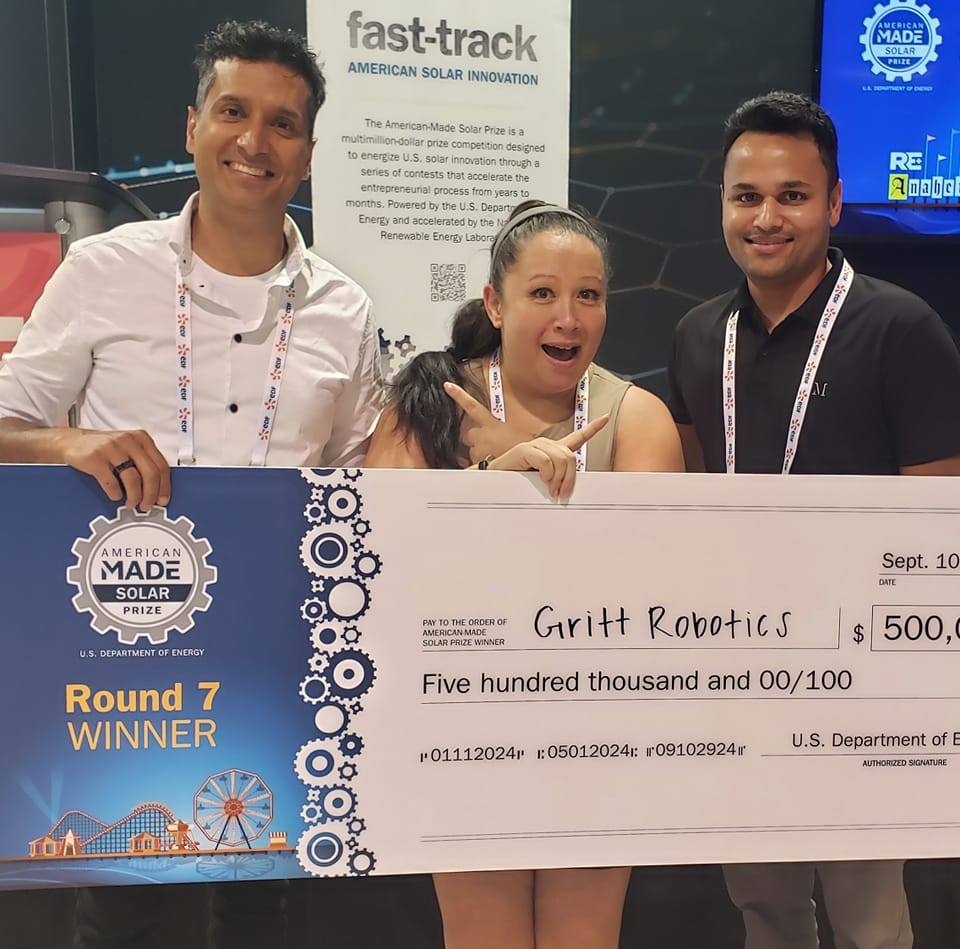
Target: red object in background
x=27, y=261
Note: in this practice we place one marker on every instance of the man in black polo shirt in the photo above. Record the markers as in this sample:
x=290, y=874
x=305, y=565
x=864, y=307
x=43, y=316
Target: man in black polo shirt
x=812, y=369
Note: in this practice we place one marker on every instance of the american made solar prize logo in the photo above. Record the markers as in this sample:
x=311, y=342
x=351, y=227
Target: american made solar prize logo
x=900, y=39
x=141, y=575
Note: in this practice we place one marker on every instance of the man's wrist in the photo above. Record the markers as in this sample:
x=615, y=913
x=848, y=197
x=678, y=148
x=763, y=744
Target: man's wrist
x=23, y=442
x=57, y=442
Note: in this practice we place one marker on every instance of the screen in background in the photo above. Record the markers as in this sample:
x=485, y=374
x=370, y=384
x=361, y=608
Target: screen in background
x=890, y=78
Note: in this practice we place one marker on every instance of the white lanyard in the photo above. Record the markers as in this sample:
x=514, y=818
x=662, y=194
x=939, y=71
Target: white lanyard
x=499, y=411
x=827, y=321
x=271, y=390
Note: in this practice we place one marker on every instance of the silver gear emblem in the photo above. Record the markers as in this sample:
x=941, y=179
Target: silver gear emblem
x=153, y=575
x=900, y=39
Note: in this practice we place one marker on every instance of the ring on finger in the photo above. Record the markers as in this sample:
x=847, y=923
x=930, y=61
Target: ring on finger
x=119, y=469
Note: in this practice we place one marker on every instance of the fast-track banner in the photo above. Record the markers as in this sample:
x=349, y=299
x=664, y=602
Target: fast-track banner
x=291, y=673
x=440, y=118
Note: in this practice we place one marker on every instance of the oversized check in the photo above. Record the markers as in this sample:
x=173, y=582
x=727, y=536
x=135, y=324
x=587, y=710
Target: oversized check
x=343, y=672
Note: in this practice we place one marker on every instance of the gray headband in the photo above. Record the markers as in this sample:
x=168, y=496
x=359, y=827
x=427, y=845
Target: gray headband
x=515, y=222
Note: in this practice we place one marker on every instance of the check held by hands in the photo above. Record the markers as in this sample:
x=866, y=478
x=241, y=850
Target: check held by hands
x=509, y=448
x=555, y=460
x=127, y=465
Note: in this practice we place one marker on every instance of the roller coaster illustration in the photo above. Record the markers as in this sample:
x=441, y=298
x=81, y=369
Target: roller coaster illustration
x=149, y=828
x=232, y=809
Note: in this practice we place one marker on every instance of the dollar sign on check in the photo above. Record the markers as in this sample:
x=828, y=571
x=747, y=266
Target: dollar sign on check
x=858, y=633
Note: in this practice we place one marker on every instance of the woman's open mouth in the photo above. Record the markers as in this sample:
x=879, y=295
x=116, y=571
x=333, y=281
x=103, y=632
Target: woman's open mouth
x=561, y=353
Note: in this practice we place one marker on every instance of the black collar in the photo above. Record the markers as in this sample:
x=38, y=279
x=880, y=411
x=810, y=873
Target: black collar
x=810, y=311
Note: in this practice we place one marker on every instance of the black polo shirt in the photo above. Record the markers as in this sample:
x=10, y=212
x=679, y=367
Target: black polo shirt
x=886, y=395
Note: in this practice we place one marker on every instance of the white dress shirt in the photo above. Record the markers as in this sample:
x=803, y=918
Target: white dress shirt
x=102, y=336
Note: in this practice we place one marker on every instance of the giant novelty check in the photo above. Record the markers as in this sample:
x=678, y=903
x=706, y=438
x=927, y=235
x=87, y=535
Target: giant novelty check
x=328, y=672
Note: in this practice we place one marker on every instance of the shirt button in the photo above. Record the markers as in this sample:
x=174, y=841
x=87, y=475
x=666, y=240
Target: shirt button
x=234, y=407
x=237, y=338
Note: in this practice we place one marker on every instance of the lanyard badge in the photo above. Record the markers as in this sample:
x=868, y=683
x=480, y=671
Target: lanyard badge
x=499, y=411
x=186, y=454
x=802, y=400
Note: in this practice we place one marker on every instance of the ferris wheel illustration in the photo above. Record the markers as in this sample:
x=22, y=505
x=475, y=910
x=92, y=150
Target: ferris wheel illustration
x=233, y=808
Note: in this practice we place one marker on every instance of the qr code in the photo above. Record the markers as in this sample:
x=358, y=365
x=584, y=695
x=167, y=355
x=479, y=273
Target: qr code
x=448, y=283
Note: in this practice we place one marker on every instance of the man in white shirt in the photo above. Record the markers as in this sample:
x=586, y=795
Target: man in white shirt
x=213, y=338
x=107, y=332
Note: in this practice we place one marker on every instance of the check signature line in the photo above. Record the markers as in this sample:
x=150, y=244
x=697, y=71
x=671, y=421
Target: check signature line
x=660, y=831
x=861, y=754
x=719, y=508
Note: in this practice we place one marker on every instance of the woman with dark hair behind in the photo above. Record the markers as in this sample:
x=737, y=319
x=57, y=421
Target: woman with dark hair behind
x=527, y=350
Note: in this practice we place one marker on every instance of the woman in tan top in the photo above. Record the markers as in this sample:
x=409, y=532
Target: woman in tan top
x=524, y=350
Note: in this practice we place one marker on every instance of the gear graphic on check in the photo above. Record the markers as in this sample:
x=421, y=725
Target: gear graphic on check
x=341, y=598
x=312, y=609
x=142, y=575
x=331, y=718
x=350, y=673
x=362, y=862
x=315, y=764
x=325, y=548
x=313, y=689
x=342, y=502
x=320, y=849
x=367, y=565
x=310, y=813
x=341, y=566
x=336, y=802
x=314, y=512
x=351, y=745
x=322, y=637
x=318, y=476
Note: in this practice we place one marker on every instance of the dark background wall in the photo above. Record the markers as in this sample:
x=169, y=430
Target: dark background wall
x=651, y=86
x=25, y=119
x=35, y=126
x=652, y=83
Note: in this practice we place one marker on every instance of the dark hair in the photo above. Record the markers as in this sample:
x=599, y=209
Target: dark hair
x=258, y=42
x=424, y=410
x=786, y=113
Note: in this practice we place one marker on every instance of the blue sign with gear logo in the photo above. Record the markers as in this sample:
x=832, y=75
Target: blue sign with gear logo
x=900, y=39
